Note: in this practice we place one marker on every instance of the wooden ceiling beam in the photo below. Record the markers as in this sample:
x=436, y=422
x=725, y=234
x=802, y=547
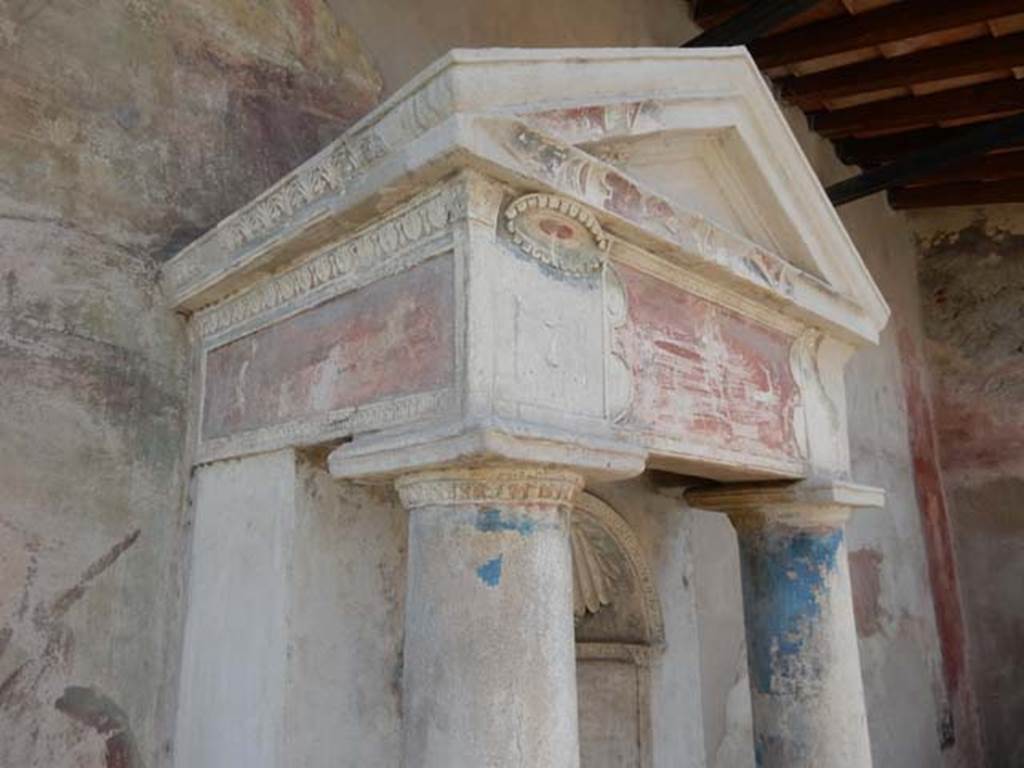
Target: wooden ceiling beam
x=709, y=13
x=869, y=152
x=941, y=63
x=930, y=159
x=967, y=193
x=999, y=97
x=994, y=167
x=899, y=21
x=750, y=23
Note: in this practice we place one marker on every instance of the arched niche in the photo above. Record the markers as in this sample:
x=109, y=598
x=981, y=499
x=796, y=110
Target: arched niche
x=618, y=627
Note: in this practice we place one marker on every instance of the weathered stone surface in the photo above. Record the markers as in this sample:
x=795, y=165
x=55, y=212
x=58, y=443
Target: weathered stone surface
x=395, y=338
x=292, y=651
x=702, y=370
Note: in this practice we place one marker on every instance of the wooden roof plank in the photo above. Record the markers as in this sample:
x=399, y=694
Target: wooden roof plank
x=963, y=59
x=1000, y=97
x=907, y=19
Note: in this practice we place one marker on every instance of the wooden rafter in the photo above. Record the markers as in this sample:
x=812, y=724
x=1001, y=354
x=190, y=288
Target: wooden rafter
x=927, y=96
x=883, y=149
x=994, y=167
x=899, y=21
x=1000, y=97
x=930, y=159
x=966, y=193
x=941, y=63
x=710, y=13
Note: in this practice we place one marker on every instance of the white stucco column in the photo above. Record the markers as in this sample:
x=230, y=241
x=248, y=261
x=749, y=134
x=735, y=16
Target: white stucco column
x=805, y=679
x=489, y=660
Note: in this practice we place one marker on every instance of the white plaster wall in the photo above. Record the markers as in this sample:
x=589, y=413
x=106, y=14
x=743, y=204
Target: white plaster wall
x=345, y=625
x=236, y=646
x=292, y=644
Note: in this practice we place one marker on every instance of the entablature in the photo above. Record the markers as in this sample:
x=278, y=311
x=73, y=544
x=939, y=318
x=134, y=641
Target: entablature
x=511, y=247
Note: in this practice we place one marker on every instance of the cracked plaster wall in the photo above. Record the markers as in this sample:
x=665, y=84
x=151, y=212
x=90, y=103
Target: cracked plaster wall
x=126, y=128
x=972, y=288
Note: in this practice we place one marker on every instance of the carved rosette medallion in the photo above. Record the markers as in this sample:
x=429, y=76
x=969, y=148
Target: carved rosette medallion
x=557, y=232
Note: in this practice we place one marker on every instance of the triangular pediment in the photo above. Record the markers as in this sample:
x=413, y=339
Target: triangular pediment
x=694, y=133
x=701, y=128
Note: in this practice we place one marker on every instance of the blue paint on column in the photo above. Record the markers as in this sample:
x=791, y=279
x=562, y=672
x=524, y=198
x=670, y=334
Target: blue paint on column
x=491, y=521
x=490, y=572
x=785, y=585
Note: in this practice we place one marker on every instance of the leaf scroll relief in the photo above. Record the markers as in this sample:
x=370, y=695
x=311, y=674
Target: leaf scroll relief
x=596, y=567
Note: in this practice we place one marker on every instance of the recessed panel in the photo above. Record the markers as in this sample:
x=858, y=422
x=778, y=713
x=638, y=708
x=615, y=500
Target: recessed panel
x=704, y=375
x=392, y=338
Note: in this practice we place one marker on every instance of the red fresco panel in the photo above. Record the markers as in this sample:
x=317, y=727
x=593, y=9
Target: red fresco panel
x=394, y=337
x=931, y=501
x=702, y=373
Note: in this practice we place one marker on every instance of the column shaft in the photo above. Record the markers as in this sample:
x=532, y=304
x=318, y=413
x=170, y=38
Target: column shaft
x=489, y=660
x=805, y=682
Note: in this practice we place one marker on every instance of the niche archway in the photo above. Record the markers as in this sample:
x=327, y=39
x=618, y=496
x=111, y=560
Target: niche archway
x=619, y=627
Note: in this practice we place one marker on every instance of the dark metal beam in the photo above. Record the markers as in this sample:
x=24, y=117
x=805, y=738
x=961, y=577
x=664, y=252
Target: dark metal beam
x=971, y=143
x=751, y=23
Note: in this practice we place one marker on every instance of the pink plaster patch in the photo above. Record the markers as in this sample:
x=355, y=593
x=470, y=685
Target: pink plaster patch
x=701, y=371
x=392, y=338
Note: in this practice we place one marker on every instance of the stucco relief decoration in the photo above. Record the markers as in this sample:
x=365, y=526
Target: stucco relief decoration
x=381, y=250
x=619, y=378
x=327, y=173
x=557, y=232
x=611, y=580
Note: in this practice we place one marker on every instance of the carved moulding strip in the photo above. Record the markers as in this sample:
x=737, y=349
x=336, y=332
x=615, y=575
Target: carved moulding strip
x=600, y=184
x=327, y=173
x=488, y=485
x=618, y=377
x=334, y=425
x=387, y=247
x=558, y=232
